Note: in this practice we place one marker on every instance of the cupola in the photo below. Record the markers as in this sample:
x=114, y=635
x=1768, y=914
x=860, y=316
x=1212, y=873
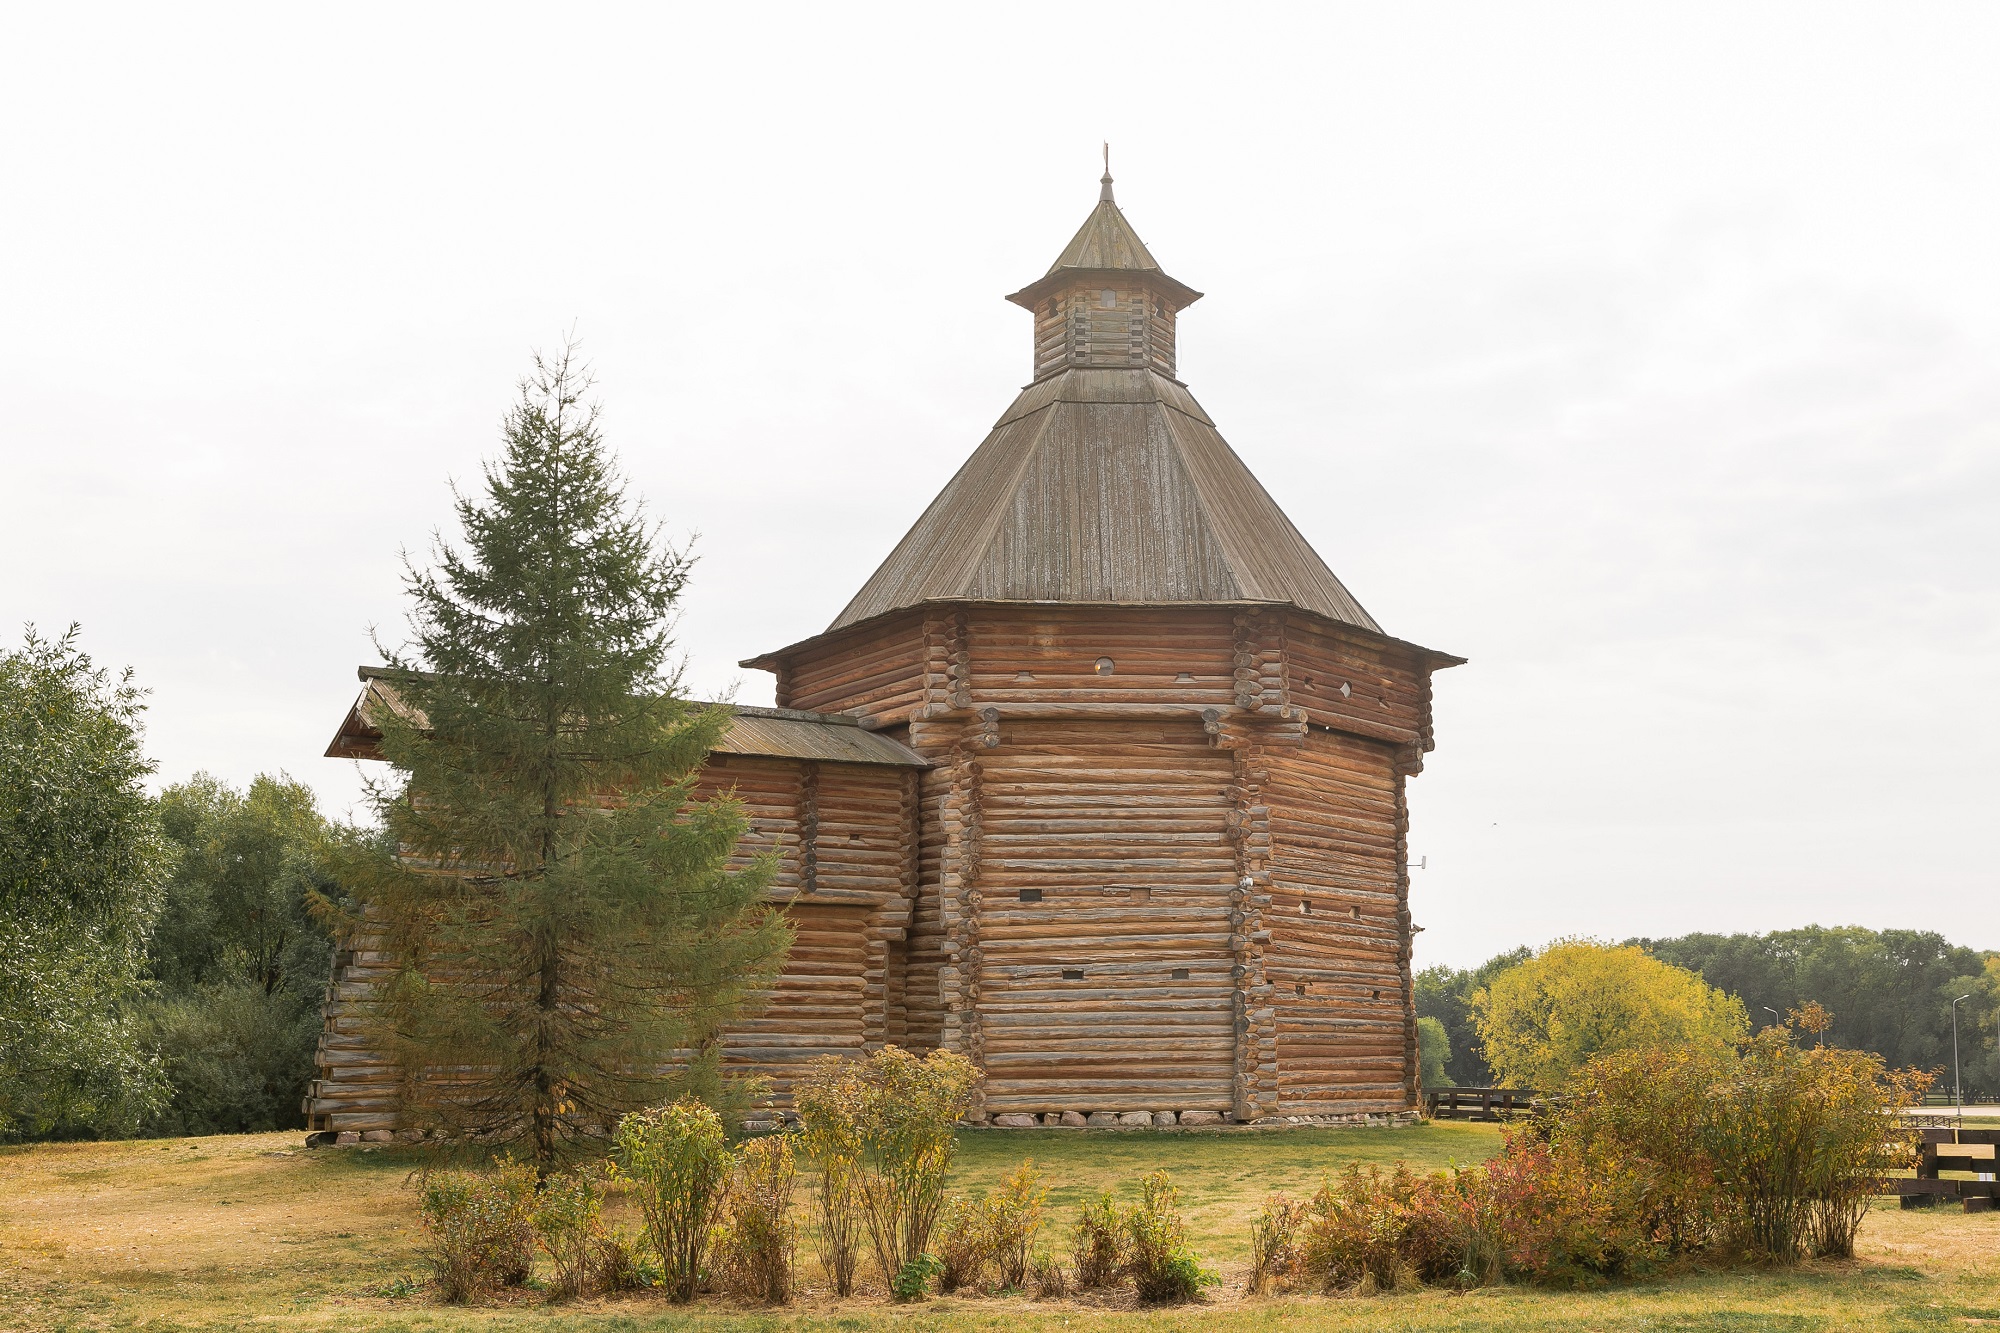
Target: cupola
x=1105, y=303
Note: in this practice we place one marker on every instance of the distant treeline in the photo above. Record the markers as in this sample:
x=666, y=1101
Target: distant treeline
x=1889, y=991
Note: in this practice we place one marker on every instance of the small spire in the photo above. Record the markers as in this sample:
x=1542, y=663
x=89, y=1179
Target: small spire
x=1104, y=192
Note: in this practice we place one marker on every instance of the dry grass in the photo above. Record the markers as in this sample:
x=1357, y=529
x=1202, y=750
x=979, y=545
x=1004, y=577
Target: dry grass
x=255, y=1232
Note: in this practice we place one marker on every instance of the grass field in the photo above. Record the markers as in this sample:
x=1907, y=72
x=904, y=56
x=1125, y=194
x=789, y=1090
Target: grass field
x=254, y=1232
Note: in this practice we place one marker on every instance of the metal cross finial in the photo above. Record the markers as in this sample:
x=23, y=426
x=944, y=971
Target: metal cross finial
x=1104, y=194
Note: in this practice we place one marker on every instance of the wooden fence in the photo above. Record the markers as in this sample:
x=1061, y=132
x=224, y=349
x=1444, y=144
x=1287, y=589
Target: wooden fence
x=1952, y=1150
x=1477, y=1103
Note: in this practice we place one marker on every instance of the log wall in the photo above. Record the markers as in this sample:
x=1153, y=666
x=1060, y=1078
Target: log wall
x=1102, y=963
x=844, y=836
x=1158, y=863
x=1122, y=795
x=1337, y=957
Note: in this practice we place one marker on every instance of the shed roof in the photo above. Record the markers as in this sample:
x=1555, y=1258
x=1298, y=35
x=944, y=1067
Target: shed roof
x=786, y=733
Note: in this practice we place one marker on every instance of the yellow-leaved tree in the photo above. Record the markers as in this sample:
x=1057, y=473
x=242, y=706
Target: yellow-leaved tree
x=1541, y=1021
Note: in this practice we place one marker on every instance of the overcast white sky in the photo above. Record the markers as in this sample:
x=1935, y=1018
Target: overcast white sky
x=1647, y=355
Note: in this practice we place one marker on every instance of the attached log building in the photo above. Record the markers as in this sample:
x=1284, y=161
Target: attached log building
x=1098, y=780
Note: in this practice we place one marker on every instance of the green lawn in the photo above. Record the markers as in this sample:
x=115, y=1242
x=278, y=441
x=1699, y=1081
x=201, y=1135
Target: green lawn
x=256, y=1232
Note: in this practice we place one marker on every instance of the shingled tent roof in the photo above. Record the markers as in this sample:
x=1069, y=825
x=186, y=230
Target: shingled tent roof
x=1104, y=244
x=1105, y=240
x=1105, y=486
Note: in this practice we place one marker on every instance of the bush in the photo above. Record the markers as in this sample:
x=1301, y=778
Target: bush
x=1051, y=1282
x=568, y=1218
x=1369, y=1232
x=478, y=1230
x=760, y=1235
x=616, y=1266
x=831, y=1102
x=1530, y=1213
x=1773, y=1152
x=1097, y=1244
x=1561, y=1216
x=1163, y=1267
x=1800, y=1140
x=913, y=1277
x=907, y=1146
x=1013, y=1218
x=896, y=1113
x=679, y=1165
x=995, y=1232
x=963, y=1245
x=1650, y=1110
x=1274, y=1254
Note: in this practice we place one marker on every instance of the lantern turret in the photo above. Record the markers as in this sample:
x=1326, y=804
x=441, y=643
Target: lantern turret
x=1106, y=303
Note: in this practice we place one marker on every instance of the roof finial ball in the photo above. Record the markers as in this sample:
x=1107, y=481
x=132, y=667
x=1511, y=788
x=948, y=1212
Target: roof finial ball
x=1104, y=194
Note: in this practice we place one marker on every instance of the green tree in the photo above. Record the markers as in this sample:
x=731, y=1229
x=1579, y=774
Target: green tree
x=1541, y=1021
x=1889, y=991
x=1445, y=994
x=240, y=960
x=571, y=936
x=1434, y=1053
x=80, y=866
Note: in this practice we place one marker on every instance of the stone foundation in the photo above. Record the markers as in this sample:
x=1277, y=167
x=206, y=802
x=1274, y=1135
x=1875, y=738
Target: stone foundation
x=1195, y=1119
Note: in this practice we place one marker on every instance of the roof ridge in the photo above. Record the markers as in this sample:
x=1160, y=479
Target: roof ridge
x=1242, y=563
x=975, y=549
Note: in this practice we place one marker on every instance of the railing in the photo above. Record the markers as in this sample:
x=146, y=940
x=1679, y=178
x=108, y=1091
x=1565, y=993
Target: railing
x=1477, y=1103
x=1952, y=1150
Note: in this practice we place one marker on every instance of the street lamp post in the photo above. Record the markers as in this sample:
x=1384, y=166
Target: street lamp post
x=1957, y=1097
x=1773, y=1013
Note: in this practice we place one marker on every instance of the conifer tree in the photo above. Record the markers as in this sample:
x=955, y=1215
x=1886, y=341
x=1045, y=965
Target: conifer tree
x=571, y=940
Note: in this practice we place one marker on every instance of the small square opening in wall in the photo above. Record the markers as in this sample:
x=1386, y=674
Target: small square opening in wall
x=1140, y=895
x=1031, y=895
x=1376, y=995
x=1356, y=911
x=1180, y=974
x=1299, y=990
x=1305, y=907
x=1072, y=974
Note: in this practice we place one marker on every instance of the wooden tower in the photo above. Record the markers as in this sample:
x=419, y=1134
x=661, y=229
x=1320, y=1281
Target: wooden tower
x=1098, y=780
x=1162, y=834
